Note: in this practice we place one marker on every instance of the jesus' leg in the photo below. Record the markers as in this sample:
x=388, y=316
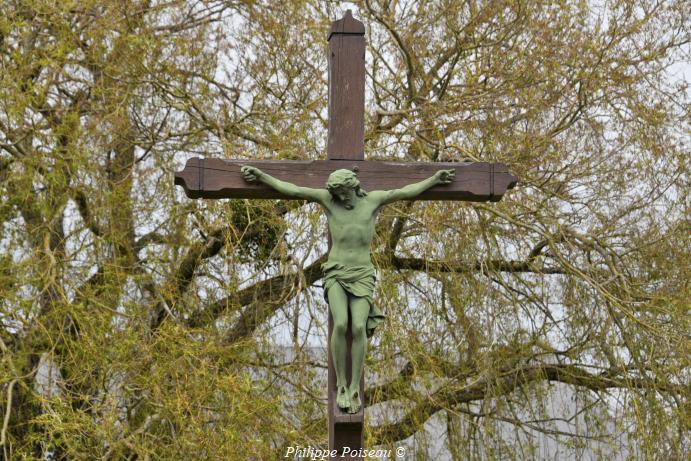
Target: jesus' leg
x=359, y=310
x=338, y=304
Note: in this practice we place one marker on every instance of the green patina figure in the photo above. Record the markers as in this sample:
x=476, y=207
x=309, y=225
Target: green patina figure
x=348, y=272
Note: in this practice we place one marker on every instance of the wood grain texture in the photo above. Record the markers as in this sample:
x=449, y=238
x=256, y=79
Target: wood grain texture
x=219, y=178
x=346, y=90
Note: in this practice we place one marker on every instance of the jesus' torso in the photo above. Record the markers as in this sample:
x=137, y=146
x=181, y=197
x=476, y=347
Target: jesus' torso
x=352, y=231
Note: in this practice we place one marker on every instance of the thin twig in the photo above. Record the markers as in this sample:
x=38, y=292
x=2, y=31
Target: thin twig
x=8, y=409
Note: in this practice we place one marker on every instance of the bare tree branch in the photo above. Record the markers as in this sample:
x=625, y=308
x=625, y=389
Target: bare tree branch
x=509, y=382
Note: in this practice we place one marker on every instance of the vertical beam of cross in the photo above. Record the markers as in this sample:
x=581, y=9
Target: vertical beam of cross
x=346, y=90
x=346, y=142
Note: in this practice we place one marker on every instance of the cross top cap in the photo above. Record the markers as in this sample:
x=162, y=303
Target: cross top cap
x=347, y=25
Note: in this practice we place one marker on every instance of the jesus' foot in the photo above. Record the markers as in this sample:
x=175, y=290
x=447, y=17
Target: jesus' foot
x=354, y=401
x=343, y=398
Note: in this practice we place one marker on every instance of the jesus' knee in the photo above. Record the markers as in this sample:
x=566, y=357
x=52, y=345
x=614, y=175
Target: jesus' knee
x=340, y=327
x=359, y=328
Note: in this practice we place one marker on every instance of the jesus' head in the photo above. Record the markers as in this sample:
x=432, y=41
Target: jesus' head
x=344, y=187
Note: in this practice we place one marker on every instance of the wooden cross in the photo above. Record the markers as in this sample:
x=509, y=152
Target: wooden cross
x=221, y=178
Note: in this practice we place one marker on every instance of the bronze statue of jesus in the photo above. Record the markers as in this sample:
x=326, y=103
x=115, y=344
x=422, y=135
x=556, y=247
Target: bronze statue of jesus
x=348, y=272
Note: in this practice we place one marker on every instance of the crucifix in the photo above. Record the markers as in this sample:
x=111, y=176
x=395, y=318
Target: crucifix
x=351, y=211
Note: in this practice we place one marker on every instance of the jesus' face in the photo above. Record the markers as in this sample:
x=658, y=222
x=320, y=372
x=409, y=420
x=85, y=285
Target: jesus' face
x=345, y=196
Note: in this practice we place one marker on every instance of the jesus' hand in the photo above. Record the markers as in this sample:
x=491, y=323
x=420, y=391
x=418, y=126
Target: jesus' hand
x=445, y=176
x=250, y=173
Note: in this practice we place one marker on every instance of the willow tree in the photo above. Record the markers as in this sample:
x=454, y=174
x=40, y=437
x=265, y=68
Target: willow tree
x=138, y=324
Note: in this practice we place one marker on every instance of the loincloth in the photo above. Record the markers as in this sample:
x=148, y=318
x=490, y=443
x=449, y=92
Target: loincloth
x=356, y=281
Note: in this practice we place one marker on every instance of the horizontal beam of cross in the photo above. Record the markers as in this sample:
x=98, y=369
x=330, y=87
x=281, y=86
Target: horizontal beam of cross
x=220, y=178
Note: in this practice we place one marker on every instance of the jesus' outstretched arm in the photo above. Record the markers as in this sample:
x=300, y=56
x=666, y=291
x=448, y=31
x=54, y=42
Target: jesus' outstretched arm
x=413, y=190
x=254, y=174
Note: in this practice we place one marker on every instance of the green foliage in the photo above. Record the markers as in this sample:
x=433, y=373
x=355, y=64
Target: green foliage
x=259, y=229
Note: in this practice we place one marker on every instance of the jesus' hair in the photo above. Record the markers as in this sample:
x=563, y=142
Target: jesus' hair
x=344, y=178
